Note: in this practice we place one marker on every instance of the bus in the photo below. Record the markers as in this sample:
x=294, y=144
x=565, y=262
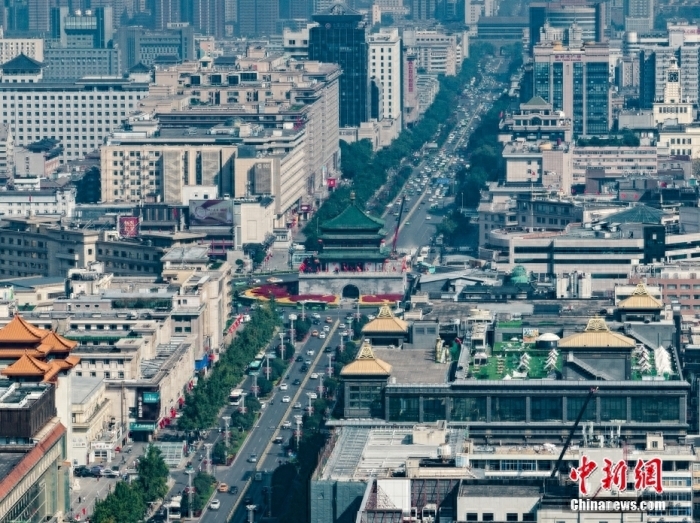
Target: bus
x=311, y=305
x=234, y=399
x=254, y=368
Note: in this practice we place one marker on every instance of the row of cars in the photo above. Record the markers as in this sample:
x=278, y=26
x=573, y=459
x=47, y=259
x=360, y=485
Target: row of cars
x=97, y=471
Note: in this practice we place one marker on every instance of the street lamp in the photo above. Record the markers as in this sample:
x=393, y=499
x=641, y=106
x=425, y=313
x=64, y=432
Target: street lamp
x=267, y=367
x=208, y=446
x=330, y=364
x=189, y=473
x=242, y=407
x=298, y=432
x=311, y=408
x=251, y=513
x=255, y=385
x=292, y=319
x=320, y=384
x=227, y=420
x=282, y=344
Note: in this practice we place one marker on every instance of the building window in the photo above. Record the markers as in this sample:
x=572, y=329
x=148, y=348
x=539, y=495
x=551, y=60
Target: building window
x=508, y=408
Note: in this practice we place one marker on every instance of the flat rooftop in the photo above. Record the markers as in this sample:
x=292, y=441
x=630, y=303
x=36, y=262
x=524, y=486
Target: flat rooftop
x=21, y=395
x=83, y=388
x=414, y=365
x=362, y=452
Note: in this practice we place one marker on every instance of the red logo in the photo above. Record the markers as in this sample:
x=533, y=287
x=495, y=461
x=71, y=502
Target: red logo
x=647, y=474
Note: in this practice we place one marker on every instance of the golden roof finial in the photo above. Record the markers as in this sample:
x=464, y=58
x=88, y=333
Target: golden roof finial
x=641, y=290
x=597, y=324
x=385, y=312
x=366, y=352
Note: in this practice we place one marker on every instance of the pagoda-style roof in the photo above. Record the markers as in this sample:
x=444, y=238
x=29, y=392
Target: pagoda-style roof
x=385, y=322
x=640, y=300
x=19, y=331
x=22, y=64
x=597, y=335
x=352, y=219
x=26, y=366
x=366, y=364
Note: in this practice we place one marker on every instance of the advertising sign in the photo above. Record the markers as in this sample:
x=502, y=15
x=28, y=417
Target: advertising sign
x=305, y=208
x=647, y=474
x=331, y=183
x=151, y=397
x=149, y=427
x=129, y=226
x=411, y=76
x=211, y=213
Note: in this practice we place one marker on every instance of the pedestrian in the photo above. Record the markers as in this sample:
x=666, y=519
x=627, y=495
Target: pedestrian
x=80, y=499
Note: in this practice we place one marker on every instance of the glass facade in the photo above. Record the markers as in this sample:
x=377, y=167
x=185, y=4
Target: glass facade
x=574, y=404
x=558, y=86
x=597, y=99
x=341, y=39
x=404, y=409
x=613, y=409
x=365, y=397
x=655, y=409
x=546, y=408
x=508, y=408
x=468, y=409
x=434, y=409
x=542, y=81
x=578, y=98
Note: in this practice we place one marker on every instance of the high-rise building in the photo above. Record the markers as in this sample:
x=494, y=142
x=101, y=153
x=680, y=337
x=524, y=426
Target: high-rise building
x=639, y=15
x=38, y=15
x=209, y=17
x=258, y=17
x=340, y=38
x=166, y=12
x=140, y=46
x=423, y=9
x=385, y=68
x=81, y=45
x=575, y=80
x=560, y=14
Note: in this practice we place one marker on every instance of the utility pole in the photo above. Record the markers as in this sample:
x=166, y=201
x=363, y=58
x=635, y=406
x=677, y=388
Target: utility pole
x=341, y=342
x=282, y=344
x=303, y=310
x=242, y=408
x=208, y=447
x=320, y=384
x=255, y=385
x=292, y=319
x=267, y=368
x=330, y=363
x=189, y=473
x=298, y=432
x=227, y=421
x=311, y=408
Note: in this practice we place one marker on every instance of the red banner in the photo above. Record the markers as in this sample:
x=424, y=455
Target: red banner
x=129, y=226
x=331, y=182
x=237, y=323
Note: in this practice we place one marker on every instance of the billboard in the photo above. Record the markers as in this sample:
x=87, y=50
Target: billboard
x=129, y=226
x=530, y=335
x=411, y=75
x=211, y=213
x=331, y=182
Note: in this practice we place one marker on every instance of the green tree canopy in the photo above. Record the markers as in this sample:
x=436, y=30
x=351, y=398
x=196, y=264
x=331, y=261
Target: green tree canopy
x=125, y=505
x=153, y=475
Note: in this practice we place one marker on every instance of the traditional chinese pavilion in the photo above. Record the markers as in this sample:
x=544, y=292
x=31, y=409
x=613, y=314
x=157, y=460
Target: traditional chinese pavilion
x=351, y=258
x=386, y=330
x=640, y=306
x=29, y=353
x=364, y=380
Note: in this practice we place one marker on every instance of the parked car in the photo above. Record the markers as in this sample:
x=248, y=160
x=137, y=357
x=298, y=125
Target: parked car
x=96, y=471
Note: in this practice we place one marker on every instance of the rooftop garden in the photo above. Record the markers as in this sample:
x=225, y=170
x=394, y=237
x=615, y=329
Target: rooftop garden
x=506, y=361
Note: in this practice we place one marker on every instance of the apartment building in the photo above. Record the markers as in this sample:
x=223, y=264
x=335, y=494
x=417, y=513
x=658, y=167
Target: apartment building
x=436, y=52
x=13, y=47
x=54, y=202
x=80, y=115
x=385, y=68
x=677, y=140
x=614, y=161
x=267, y=90
x=42, y=246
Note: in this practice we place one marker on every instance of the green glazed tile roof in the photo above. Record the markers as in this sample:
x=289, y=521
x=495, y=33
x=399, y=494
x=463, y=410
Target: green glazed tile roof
x=353, y=218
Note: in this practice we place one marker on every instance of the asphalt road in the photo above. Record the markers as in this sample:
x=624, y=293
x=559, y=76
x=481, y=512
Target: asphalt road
x=241, y=473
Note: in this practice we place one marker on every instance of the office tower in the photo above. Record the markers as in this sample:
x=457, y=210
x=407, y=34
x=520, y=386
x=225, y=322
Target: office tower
x=560, y=14
x=385, y=69
x=423, y=9
x=140, y=46
x=340, y=38
x=575, y=80
x=258, y=17
x=209, y=16
x=38, y=15
x=165, y=12
x=639, y=15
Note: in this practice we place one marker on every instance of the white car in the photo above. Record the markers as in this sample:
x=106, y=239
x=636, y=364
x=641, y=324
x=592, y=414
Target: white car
x=314, y=375
x=326, y=328
x=316, y=316
x=322, y=336
x=287, y=424
x=341, y=326
x=313, y=395
x=284, y=386
x=215, y=504
x=309, y=353
x=428, y=217
x=286, y=399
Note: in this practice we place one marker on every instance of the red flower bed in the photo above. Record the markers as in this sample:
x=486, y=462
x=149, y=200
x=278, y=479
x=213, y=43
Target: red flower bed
x=265, y=291
x=379, y=298
x=328, y=298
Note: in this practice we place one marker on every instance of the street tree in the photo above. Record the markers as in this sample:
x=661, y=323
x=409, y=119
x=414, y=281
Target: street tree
x=153, y=475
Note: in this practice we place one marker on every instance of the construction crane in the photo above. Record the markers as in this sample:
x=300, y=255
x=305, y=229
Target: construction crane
x=396, y=231
x=571, y=433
